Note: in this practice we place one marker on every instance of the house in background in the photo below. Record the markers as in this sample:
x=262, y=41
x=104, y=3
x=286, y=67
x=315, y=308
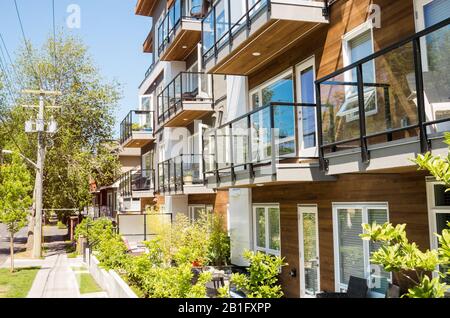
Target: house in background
x=298, y=119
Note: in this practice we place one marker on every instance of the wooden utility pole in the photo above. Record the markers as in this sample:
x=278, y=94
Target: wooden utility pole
x=41, y=131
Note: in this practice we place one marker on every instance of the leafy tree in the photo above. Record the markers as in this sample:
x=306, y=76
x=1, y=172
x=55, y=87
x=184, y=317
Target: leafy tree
x=77, y=150
x=15, y=201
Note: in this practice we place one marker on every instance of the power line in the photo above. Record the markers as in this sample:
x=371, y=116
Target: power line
x=26, y=43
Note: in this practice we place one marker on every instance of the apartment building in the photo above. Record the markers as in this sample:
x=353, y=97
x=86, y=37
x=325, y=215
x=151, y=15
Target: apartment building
x=106, y=199
x=177, y=103
x=299, y=120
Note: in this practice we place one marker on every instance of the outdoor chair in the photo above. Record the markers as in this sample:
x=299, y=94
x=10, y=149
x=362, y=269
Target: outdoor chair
x=357, y=288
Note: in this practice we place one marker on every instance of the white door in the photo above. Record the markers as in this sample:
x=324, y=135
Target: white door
x=435, y=61
x=306, y=75
x=309, y=250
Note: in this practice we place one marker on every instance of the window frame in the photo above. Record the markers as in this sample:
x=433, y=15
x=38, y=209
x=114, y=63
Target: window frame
x=364, y=206
x=433, y=210
x=346, y=55
x=209, y=208
x=258, y=89
x=266, y=249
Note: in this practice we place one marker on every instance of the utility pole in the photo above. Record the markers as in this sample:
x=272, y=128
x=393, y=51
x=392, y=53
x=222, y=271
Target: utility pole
x=41, y=131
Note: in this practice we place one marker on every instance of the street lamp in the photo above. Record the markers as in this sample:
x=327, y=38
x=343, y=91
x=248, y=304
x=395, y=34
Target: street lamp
x=10, y=152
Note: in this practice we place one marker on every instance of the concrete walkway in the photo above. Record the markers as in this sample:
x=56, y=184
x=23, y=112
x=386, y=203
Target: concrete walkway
x=55, y=279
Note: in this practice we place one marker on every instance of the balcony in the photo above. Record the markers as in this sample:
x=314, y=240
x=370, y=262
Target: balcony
x=239, y=37
x=148, y=43
x=180, y=31
x=137, y=129
x=137, y=183
x=260, y=147
x=380, y=112
x=188, y=97
x=145, y=7
x=182, y=175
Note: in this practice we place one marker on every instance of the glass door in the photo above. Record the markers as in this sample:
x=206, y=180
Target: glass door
x=306, y=115
x=309, y=250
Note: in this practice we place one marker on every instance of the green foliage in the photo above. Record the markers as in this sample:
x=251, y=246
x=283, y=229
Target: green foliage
x=439, y=167
x=94, y=231
x=77, y=151
x=262, y=281
x=15, y=189
x=398, y=255
x=428, y=289
x=175, y=282
x=203, y=241
x=112, y=253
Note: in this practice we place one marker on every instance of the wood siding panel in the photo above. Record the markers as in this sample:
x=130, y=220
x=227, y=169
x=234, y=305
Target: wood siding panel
x=405, y=194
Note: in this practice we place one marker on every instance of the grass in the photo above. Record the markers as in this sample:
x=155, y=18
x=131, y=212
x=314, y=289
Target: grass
x=79, y=269
x=71, y=250
x=17, y=284
x=87, y=284
x=61, y=225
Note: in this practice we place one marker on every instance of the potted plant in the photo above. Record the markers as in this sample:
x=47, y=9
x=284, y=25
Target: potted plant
x=188, y=179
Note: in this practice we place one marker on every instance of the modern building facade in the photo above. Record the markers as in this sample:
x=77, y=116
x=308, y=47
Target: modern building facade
x=298, y=120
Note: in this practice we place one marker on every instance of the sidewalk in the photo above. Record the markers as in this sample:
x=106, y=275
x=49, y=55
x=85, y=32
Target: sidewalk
x=55, y=279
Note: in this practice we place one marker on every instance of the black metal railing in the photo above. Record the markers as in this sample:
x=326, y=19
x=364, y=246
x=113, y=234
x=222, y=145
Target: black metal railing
x=175, y=173
x=137, y=121
x=181, y=9
x=265, y=136
x=185, y=87
x=136, y=180
x=225, y=20
x=399, y=92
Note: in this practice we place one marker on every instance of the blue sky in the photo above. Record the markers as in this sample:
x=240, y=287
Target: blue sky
x=109, y=28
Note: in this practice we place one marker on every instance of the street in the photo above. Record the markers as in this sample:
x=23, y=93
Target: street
x=19, y=242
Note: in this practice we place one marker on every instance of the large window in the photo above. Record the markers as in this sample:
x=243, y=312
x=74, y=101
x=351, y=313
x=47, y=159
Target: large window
x=351, y=253
x=279, y=89
x=438, y=214
x=196, y=210
x=266, y=228
x=358, y=44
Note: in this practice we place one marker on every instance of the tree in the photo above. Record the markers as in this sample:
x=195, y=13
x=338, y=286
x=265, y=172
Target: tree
x=15, y=200
x=79, y=149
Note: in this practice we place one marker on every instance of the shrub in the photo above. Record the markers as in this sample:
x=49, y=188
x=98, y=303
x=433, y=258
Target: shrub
x=403, y=258
x=112, y=253
x=175, y=282
x=262, y=278
x=94, y=231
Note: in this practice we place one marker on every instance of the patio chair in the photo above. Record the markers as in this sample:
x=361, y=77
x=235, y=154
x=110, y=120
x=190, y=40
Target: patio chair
x=357, y=288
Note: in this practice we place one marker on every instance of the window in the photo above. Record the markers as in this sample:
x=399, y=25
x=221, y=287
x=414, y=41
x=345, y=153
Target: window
x=358, y=44
x=196, y=210
x=279, y=89
x=351, y=253
x=438, y=214
x=266, y=228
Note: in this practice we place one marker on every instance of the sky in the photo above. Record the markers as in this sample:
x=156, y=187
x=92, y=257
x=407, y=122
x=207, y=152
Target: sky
x=110, y=29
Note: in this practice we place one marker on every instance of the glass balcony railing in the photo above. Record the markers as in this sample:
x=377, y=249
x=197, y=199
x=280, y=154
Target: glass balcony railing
x=137, y=121
x=180, y=171
x=186, y=87
x=226, y=19
x=397, y=93
x=181, y=9
x=264, y=136
x=137, y=180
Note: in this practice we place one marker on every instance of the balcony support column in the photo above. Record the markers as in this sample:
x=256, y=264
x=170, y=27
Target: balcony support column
x=365, y=156
x=424, y=142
